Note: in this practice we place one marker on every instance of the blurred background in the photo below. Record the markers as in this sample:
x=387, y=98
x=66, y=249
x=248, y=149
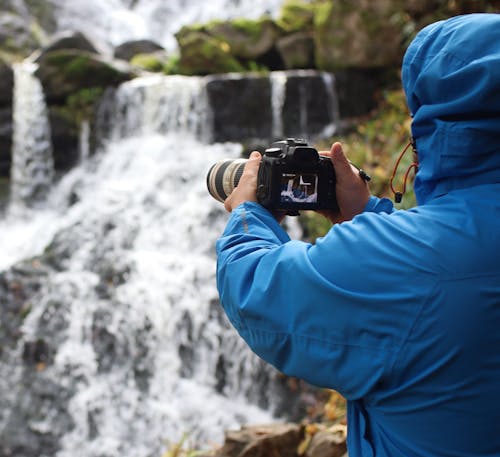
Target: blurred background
x=112, y=340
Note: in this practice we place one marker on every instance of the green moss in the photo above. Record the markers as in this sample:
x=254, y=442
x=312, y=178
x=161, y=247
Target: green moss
x=202, y=54
x=251, y=28
x=80, y=105
x=297, y=15
x=171, y=66
x=149, y=62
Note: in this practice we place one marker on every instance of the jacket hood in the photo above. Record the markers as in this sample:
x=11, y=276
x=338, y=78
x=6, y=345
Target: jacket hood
x=451, y=78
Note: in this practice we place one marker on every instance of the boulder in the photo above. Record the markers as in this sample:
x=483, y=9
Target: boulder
x=241, y=107
x=70, y=40
x=17, y=36
x=65, y=140
x=328, y=443
x=202, y=54
x=358, y=34
x=66, y=71
x=5, y=141
x=307, y=109
x=296, y=50
x=247, y=39
x=263, y=441
x=6, y=83
x=129, y=49
x=296, y=16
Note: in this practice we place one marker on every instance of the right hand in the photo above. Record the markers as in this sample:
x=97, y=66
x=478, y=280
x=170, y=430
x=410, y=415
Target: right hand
x=352, y=191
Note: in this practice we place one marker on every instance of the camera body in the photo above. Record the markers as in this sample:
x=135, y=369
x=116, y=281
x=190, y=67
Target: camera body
x=293, y=176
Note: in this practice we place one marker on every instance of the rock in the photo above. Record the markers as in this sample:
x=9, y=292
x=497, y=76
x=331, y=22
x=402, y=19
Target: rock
x=202, y=54
x=65, y=140
x=66, y=71
x=242, y=104
x=16, y=36
x=328, y=443
x=359, y=34
x=297, y=50
x=296, y=16
x=6, y=83
x=129, y=49
x=241, y=107
x=307, y=108
x=5, y=141
x=263, y=441
x=356, y=91
x=247, y=39
x=70, y=40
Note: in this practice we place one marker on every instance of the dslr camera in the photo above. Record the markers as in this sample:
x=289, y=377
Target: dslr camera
x=292, y=177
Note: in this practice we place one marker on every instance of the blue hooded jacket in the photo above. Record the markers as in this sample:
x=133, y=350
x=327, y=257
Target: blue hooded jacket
x=397, y=310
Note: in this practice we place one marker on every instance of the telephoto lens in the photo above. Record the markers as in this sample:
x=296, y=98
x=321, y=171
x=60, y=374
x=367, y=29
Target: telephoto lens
x=224, y=176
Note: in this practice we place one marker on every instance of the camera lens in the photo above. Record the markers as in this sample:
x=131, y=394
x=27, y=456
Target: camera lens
x=224, y=176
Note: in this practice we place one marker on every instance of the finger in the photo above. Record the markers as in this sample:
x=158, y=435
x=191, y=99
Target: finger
x=339, y=160
x=251, y=168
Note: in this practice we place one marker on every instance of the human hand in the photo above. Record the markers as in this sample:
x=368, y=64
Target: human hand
x=352, y=190
x=246, y=190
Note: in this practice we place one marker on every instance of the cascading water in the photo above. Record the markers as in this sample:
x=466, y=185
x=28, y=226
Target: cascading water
x=116, y=21
x=32, y=170
x=124, y=345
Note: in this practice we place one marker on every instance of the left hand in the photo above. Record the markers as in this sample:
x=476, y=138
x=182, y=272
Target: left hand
x=246, y=190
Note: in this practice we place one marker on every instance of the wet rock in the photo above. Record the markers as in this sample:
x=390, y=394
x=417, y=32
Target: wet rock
x=241, y=107
x=66, y=71
x=65, y=137
x=129, y=49
x=5, y=141
x=6, y=83
x=70, y=40
x=308, y=107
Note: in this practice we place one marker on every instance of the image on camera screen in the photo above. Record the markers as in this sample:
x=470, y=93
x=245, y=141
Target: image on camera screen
x=299, y=187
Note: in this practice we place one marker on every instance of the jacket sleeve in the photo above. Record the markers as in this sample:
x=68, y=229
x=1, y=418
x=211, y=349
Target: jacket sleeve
x=310, y=310
x=379, y=205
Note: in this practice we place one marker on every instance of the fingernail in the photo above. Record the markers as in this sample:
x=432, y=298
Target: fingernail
x=254, y=155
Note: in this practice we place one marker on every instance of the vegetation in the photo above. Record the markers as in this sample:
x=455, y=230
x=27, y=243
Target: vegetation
x=374, y=144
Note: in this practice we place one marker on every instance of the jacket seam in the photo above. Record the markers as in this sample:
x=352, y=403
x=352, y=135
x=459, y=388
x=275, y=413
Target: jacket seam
x=319, y=340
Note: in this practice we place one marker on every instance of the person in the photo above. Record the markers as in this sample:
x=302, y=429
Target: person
x=398, y=310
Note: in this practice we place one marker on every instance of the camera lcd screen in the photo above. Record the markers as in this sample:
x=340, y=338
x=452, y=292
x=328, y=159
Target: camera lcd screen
x=299, y=187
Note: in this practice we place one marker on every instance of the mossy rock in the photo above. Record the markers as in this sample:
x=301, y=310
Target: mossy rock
x=153, y=62
x=19, y=37
x=247, y=39
x=64, y=72
x=297, y=16
x=297, y=50
x=359, y=34
x=202, y=54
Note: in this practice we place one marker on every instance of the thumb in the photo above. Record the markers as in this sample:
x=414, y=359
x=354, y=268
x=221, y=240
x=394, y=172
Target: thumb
x=253, y=163
x=340, y=162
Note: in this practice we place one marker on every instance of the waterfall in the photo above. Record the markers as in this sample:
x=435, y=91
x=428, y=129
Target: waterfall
x=278, y=92
x=163, y=105
x=123, y=346
x=116, y=21
x=32, y=169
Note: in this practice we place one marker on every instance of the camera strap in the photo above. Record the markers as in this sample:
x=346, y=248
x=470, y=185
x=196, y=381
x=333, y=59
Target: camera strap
x=398, y=195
